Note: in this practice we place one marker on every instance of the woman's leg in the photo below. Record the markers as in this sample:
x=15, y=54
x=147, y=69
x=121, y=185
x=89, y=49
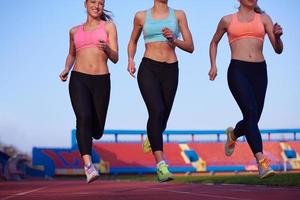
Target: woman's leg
x=81, y=100
x=169, y=83
x=152, y=94
x=245, y=96
x=248, y=84
x=101, y=96
x=82, y=103
x=259, y=82
x=153, y=83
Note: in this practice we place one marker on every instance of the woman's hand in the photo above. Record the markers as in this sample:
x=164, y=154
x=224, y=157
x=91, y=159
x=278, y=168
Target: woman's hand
x=212, y=73
x=167, y=33
x=277, y=30
x=103, y=46
x=64, y=75
x=131, y=67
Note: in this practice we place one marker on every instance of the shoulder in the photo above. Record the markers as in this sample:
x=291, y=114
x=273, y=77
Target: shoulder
x=110, y=25
x=74, y=29
x=265, y=18
x=227, y=19
x=140, y=15
x=180, y=14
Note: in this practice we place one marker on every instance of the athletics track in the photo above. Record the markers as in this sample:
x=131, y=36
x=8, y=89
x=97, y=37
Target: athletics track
x=133, y=190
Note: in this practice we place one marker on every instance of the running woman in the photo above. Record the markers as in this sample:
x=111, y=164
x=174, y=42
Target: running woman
x=247, y=73
x=91, y=45
x=158, y=71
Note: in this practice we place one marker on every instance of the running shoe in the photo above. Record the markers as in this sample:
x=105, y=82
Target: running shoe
x=230, y=142
x=264, y=169
x=163, y=173
x=146, y=146
x=91, y=173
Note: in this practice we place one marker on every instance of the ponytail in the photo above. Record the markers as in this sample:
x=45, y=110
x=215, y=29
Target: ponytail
x=106, y=15
x=258, y=10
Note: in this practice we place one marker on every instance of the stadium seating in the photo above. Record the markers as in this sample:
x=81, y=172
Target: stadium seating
x=128, y=157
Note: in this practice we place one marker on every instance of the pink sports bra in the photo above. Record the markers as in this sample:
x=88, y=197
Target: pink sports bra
x=88, y=39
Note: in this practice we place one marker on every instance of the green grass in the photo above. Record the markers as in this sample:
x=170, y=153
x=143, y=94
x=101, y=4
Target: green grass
x=290, y=179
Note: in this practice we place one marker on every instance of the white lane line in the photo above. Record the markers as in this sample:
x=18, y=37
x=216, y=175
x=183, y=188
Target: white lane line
x=23, y=193
x=200, y=194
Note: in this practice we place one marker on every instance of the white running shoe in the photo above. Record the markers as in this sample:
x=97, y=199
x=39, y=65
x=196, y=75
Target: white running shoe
x=91, y=173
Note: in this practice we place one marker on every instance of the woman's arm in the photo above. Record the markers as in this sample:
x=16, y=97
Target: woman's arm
x=112, y=48
x=274, y=33
x=187, y=43
x=221, y=29
x=70, y=57
x=135, y=34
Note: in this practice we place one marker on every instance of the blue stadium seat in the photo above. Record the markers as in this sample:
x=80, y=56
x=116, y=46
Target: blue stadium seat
x=290, y=153
x=192, y=155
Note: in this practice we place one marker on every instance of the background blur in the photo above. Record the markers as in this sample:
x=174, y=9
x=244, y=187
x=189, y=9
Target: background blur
x=35, y=108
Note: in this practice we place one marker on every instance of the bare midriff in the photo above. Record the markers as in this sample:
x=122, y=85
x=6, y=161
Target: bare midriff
x=160, y=51
x=91, y=61
x=247, y=49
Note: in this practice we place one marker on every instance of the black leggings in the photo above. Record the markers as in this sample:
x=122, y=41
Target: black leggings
x=158, y=84
x=248, y=83
x=90, y=98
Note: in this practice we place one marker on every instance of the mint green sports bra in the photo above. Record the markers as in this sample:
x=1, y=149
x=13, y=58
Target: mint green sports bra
x=152, y=29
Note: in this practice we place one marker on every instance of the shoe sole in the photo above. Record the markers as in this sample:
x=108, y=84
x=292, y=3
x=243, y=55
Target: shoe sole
x=166, y=179
x=93, y=179
x=267, y=175
x=227, y=153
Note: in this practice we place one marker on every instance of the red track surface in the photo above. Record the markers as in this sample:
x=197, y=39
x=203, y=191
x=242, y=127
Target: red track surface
x=119, y=190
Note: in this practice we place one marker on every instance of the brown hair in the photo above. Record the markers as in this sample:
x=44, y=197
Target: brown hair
x=257, y=9
x=106, y=15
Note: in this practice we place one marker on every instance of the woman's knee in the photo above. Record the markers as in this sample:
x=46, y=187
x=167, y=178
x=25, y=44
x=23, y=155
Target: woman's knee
x=84, y=120
x=251, y=115
x=157, y=113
